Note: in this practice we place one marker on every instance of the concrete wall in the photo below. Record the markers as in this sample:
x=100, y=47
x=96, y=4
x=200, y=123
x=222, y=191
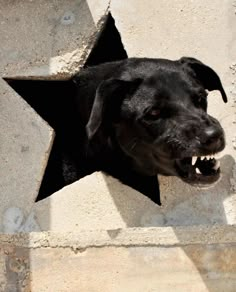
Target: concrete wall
x=136, y=260
x=100, y=253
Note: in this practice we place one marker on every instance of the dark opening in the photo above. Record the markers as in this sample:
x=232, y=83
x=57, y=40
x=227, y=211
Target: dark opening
x=53, y=101
x=108, y=47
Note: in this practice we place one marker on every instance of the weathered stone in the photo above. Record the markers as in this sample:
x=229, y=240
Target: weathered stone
x=199, y=258
x=54, y=44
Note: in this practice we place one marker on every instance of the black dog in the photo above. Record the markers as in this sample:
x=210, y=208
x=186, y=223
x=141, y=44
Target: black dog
x=141, y=117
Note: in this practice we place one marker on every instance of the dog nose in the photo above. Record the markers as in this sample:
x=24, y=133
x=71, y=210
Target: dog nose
x=213, y=138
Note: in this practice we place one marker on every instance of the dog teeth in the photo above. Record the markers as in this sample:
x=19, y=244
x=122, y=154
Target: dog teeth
x=198, y=171
x=194, y=159
x=217, y=165
x=207, y=157
x=212, y=156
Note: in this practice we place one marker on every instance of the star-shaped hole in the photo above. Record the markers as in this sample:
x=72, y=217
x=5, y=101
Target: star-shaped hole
x=54, y=101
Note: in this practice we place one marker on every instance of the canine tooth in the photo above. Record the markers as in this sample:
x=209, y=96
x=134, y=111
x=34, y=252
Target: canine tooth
x=194, y=159
x=217, y=165
x=198, y=171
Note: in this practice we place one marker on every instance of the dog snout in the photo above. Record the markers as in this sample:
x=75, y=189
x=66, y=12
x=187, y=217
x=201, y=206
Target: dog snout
x=213, y=139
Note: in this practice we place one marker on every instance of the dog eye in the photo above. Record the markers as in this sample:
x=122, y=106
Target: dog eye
x=153, y=114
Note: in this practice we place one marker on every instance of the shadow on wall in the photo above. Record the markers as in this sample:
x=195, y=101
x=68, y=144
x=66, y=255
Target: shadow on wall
x=182, y=204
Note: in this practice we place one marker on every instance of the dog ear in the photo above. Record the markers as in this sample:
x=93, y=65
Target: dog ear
x=205, y=75
x=107, y=102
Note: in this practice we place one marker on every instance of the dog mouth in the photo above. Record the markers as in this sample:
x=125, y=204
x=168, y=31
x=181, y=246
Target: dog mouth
x=203, y=169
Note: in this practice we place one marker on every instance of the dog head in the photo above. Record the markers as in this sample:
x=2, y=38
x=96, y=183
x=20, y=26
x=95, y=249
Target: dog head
x=159, y=118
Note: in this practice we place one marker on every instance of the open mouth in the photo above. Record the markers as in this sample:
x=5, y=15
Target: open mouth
x=199, y=170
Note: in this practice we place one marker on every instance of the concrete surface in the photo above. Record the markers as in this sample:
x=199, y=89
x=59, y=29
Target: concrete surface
x=142, y=259
x=53, y=45
x=39, y=40
x=25, y=142
x=109, y=204
x=95, y=202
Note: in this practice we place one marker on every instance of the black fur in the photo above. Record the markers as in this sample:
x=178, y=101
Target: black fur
x=141, y=117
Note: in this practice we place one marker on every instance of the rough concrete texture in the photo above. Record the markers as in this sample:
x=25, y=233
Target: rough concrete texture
x=153, y=259
x=95, y=202
x=109, y=204
x=54, y=44
x=39, y=39
x=25, y=142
